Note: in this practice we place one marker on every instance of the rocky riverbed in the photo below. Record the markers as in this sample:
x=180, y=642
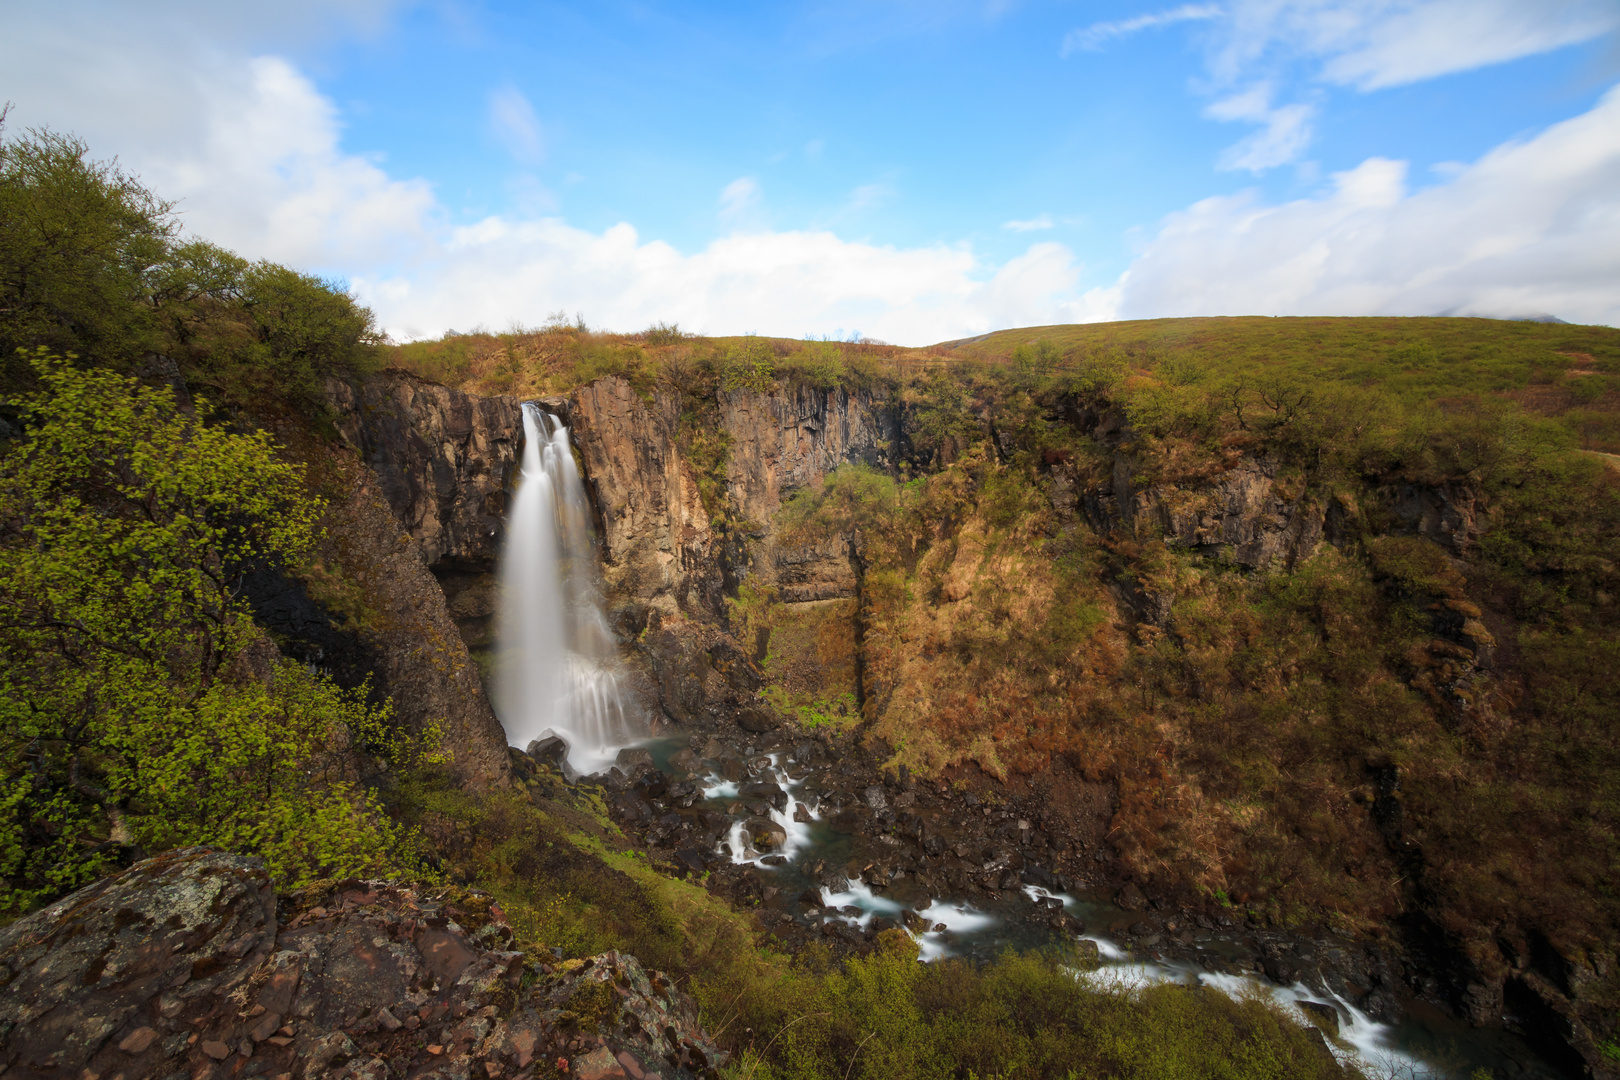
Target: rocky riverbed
x=828, y=848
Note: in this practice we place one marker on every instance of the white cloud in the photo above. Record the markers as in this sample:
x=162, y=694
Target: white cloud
x=249, y=147
x=1095, y=36
x=1034, y=224
x=1531, y=227
x=516, y=125
x=1371, y=44
x=255, y=152
x=1283, y=138
x=773, y=282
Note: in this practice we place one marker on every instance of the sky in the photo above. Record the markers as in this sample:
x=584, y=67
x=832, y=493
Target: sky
x=912, y=171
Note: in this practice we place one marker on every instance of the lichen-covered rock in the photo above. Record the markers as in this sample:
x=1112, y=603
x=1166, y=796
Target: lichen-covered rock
x=175, y=967
x=119, y=960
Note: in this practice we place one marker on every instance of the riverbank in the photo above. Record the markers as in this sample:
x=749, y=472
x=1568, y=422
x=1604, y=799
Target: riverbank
x=826, y=849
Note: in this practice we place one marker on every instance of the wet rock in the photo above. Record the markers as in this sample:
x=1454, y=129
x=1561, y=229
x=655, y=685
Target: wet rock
x=875, y=798
x=179, y=967
x=1035, y=875
x=553, y=750
x=650, y=782
x=1321, y=1015
x=1087, y=953
x=767, y=791
x=691, y=861
x=631, y=758
x=1281, y=968
x=1131, y=899
x=848, y=821
x=801, y=814
x=834, y=882
x=686, y=761
x=765, y=833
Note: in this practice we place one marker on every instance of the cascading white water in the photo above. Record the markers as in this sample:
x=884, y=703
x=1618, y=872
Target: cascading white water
x=556, y=664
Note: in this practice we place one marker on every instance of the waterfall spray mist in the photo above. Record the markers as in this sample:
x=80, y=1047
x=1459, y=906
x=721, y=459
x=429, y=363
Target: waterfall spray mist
x=557, y=665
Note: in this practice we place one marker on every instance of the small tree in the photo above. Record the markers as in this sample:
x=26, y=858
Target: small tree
x=81, y=243
x=139, y=706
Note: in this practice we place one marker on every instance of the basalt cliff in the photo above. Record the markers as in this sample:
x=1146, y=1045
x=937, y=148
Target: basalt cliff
x=1098, y=711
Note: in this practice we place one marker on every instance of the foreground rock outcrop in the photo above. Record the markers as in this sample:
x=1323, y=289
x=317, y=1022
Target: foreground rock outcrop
x=187, y=965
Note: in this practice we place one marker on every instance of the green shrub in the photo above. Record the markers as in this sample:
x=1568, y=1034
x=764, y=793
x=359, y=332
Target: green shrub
x=139, y=707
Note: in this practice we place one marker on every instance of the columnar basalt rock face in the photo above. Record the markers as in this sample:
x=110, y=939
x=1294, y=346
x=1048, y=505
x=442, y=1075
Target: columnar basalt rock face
x=791, y=439
x=179, y=966
x=444, y=460
x=1254, y=516
x=430, y=497
x=669, y=568
x=655, y=534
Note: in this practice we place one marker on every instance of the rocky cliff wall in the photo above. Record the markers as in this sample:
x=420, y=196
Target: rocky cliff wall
x=669, y=567
x=659, y=549
x=419, y=526
x=444, y=460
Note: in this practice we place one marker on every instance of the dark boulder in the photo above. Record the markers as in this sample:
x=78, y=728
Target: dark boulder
x=632, y=758
x=766, y=834
x=756, y=719
x=1131, y=899
x=767, y=791
x=553, y=750
x=691, y=861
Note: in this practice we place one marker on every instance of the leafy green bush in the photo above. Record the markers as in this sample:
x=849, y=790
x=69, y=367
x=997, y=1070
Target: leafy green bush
x=139, y=707
x=819, y=364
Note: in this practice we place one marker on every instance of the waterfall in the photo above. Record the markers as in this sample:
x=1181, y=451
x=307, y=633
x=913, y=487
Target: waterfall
x=557, y=664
